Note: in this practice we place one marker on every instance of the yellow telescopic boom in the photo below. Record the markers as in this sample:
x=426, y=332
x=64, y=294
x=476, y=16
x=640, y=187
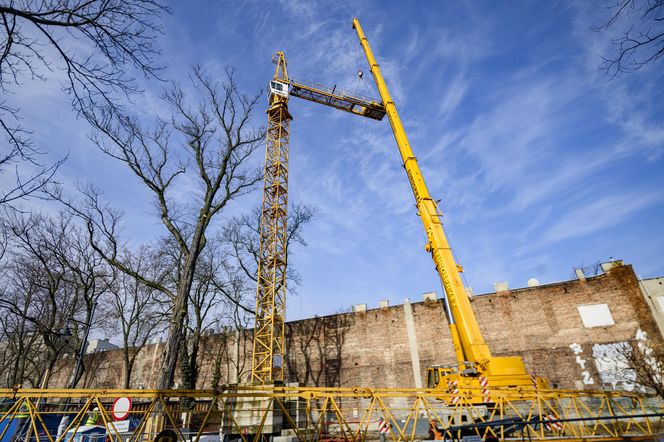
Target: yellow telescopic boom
x=472, y=343
x=473, y=355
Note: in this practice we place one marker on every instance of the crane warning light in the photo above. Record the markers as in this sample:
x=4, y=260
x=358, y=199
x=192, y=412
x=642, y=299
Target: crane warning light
x=279, y=88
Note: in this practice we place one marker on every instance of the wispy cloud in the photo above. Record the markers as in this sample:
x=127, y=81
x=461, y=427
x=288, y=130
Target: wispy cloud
x=607, y=211
x=455, y=92
x=513, y=127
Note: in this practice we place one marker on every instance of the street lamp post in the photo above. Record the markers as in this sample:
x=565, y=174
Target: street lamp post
x=81, y=350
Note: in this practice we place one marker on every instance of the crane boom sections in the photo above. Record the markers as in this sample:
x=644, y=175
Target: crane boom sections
x=365, y=107
x=475, y=364
x=472, y=345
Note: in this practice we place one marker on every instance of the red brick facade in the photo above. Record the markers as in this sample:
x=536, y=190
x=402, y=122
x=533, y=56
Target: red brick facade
x=372, y=348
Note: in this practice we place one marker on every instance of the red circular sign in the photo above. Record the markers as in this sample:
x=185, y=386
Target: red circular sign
x=121, y=408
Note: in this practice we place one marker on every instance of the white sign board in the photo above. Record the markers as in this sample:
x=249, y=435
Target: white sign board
x=597, y=315
x=121, y=426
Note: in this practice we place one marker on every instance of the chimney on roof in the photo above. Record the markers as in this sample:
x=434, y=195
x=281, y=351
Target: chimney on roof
x=501, y=286
x=606, y=266
x=429, y=297
x=359, y=308
x=580, y=275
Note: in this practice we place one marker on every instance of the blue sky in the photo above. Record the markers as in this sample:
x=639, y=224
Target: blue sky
x=542, y=162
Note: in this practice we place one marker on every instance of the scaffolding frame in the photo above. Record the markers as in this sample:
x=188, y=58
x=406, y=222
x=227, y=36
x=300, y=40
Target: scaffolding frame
x=352, y=414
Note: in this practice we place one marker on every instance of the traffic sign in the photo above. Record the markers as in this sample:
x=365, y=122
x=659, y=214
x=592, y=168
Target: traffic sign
x=121, y=408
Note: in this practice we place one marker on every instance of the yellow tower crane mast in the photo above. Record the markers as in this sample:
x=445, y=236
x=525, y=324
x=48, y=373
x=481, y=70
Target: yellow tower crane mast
x=269, y=346
x=268, y=349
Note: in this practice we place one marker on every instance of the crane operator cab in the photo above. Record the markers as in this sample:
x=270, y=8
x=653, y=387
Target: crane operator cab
x=279, y=88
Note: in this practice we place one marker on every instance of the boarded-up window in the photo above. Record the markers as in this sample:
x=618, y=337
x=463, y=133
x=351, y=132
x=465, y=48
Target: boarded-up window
x=597, y=315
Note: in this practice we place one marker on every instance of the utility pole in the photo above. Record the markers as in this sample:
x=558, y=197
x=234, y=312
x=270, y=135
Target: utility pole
x=79, y=368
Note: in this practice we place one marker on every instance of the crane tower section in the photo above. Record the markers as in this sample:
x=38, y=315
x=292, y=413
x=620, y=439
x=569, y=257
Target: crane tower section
x=268, y=349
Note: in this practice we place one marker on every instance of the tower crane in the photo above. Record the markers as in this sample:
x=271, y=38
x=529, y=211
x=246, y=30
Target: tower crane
x=475, y=367
x=268, y=344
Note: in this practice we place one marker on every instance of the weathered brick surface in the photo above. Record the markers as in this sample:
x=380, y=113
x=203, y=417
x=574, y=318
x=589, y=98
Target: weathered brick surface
x=372, y=348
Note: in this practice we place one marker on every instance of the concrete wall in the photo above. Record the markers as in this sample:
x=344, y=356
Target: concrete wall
x=653, y=291
x=392, y=346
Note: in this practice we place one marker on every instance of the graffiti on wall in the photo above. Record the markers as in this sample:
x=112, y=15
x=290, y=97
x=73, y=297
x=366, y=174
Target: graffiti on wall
x=586, y=378
x=613, y=366
x=616, y=362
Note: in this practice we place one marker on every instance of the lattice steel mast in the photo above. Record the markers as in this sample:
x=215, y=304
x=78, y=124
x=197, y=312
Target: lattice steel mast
x=268, y=351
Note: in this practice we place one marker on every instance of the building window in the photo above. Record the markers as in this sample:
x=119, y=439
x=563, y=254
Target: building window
x=660, y=302
x=597, y=315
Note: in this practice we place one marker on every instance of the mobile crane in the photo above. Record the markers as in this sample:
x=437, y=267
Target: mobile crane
x=476, y=368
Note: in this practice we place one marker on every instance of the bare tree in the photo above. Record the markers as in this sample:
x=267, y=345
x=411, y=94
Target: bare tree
x=241, y=236
x=631, y=365
x=19, y=346
x=96, y=43
x=29, y=174
x=203, y=151
x=223, y=295
x=648, y=365
x=219, y=301
x=90, y=277
x=641, y=25
x=204, y=314
x=134, y=307
x=39, y=293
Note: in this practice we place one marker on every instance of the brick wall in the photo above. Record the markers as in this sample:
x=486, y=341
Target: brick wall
x=372, y=348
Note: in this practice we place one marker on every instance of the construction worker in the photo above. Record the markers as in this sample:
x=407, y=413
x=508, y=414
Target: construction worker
x=22, y=417
x=23, y=411
x=93, y=417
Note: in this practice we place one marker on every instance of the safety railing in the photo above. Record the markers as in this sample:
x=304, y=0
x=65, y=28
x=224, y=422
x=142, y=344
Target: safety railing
x=253, y=413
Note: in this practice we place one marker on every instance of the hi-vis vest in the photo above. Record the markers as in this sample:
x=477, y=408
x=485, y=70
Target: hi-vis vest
x=23, y=411
x=92, y=418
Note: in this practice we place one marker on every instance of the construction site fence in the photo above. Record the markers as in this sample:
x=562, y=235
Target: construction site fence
x=291, y=413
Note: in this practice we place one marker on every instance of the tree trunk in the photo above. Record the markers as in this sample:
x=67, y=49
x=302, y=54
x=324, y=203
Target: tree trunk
x=173, y=340
x=175, y=330
x=128, y=367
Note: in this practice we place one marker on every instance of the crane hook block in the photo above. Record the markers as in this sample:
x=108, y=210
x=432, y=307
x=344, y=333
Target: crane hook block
x=360, y=74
